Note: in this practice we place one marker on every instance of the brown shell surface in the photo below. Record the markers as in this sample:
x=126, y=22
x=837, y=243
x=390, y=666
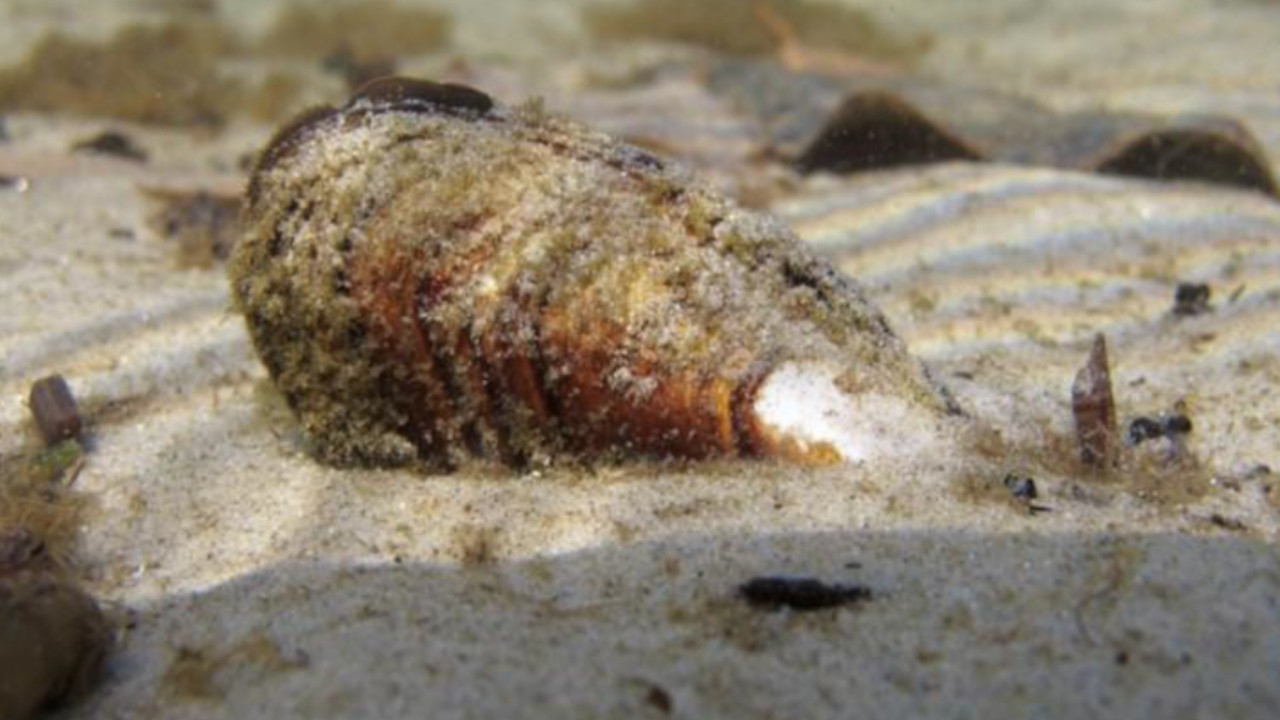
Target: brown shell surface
x=441, y=279
x=53, y=639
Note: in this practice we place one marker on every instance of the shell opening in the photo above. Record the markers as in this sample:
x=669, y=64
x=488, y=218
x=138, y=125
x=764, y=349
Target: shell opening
x=805, y=415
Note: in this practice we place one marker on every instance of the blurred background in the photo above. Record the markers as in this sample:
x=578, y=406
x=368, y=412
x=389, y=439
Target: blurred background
x=208, y=61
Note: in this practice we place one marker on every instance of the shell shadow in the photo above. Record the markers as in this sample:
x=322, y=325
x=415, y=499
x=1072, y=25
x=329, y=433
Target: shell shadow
x=997, y=622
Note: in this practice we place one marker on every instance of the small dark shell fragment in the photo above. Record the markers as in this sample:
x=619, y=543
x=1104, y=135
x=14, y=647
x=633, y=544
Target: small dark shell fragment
x=406, y=93
x=54, y=409
x=1094, y=408
x=427, y=273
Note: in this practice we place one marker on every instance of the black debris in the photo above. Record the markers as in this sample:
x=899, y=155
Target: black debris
x=1177, y=424
x=1191, y=299
x=1023, y=488
x=114, y=143
x=659, y=699
x=800, y=593
x=1143, y=428
x=54, y=409
x=1227, y=523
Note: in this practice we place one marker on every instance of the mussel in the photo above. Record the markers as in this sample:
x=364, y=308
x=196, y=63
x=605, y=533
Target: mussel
x=428, y=274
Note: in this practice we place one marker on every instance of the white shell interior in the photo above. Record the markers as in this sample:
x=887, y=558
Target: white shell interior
x=802, y=402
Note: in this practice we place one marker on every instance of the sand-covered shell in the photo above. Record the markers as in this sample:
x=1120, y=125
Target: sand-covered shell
x=426, y=273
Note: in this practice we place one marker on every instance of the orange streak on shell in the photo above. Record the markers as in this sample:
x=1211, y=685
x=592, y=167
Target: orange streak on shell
x=387, y=289
x=683, y=414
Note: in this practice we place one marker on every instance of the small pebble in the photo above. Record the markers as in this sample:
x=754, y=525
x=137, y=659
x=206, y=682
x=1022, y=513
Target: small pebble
x=54, y=409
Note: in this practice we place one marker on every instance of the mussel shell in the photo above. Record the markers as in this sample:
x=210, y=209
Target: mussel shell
x=428, y=274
